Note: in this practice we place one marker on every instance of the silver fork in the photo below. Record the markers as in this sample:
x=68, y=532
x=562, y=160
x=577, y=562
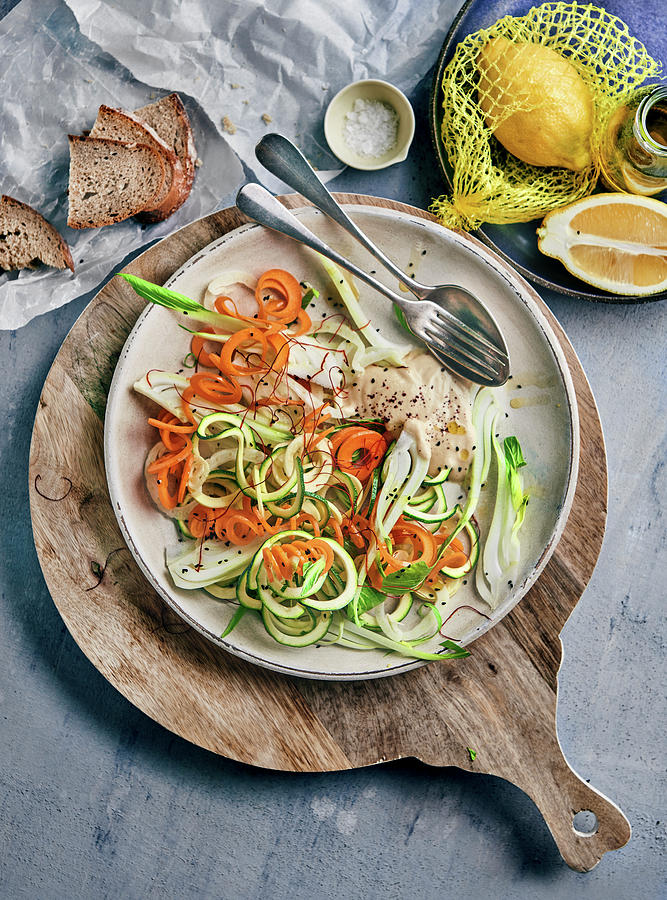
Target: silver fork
x=455, y=344
x=460, y=311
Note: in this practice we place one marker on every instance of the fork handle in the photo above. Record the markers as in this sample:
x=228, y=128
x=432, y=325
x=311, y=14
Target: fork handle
x=279, y=155
x=257, y=203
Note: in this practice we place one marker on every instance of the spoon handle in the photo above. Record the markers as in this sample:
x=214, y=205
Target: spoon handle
x=257, y=203
x=279, y=155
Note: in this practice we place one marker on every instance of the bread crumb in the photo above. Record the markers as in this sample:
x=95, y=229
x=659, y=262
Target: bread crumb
x=266, y=118
x=198, y=163
x=228, y=125
x=152, y=95
x=234, y=85
x=245, y=101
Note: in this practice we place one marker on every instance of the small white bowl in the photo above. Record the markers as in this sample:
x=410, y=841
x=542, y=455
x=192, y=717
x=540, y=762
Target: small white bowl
x=342, y=103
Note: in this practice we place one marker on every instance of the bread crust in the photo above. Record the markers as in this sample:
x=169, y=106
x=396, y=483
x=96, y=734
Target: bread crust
x=189, y=156
x=177, y=190
x=13, y=204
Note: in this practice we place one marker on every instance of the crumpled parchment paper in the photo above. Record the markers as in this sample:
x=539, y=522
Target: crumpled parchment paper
x=53, y=80
x=281, y=59
x=243, y=68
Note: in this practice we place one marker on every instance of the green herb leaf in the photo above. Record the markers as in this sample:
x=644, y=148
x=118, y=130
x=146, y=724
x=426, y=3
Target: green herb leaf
x=310, y=294
x=513, y=453
x=349, y=547
x=457, y=651
x=514, y=460
x=375, y=484
x=406, y=579
x=234, y=621
x=404, y=647
x=402, y=321
x=369, y=598
x=311, y=571
x=472, y=754
x=163, y=296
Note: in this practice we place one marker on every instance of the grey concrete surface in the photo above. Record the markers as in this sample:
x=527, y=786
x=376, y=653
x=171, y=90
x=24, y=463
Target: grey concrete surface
x=97, y=801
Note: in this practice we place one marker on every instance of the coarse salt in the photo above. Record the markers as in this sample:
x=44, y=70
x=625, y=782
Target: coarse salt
x=371, y=128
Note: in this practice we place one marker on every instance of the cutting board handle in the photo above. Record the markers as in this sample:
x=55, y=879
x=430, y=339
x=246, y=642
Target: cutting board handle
x=584, y=823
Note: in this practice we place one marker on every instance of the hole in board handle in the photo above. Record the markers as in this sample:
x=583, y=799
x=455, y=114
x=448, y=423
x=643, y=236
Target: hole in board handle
x=585, y=823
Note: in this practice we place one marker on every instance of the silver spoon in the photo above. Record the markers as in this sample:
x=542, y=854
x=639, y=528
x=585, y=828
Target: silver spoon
x=458, y=350
x=279, y=155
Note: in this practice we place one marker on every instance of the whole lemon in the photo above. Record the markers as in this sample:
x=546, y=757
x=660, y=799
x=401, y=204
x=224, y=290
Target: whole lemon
x=552, y=121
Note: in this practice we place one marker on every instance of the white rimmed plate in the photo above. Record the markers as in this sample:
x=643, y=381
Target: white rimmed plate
x=539, y=401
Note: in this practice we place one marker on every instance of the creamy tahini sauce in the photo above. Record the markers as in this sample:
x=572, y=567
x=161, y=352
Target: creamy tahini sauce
x=425, y=398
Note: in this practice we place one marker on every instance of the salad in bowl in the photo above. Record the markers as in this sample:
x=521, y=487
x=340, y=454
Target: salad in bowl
x=323, y=478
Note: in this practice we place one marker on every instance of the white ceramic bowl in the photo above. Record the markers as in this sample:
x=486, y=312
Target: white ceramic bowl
x=539, y=400
x=342, y=103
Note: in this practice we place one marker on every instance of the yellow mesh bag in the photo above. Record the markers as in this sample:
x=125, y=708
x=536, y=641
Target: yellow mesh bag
x=492, y=185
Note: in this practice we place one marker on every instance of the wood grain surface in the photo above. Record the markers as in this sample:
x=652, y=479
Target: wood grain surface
x=501, y=700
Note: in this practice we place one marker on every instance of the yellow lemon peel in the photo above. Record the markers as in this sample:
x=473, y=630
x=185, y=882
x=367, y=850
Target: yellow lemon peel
x=490, y=184
x=537, y=104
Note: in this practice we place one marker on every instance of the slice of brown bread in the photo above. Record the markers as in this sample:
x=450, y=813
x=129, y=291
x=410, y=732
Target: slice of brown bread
x=169, y=119
x=111, y=180
x=26, y=238
x=119, y=125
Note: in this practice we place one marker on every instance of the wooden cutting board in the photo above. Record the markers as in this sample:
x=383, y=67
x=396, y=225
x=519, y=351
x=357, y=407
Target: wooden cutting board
x=501, y=700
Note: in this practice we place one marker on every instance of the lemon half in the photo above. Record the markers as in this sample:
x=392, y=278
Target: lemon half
x=617, y=242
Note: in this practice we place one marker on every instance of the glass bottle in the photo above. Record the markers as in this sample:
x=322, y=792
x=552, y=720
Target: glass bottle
x=633, y=151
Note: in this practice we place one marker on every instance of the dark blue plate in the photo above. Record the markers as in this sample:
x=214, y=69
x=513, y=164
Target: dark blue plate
x=518, y=243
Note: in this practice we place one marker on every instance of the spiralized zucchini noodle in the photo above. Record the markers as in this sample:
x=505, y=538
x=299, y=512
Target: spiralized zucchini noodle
x=327, y=528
